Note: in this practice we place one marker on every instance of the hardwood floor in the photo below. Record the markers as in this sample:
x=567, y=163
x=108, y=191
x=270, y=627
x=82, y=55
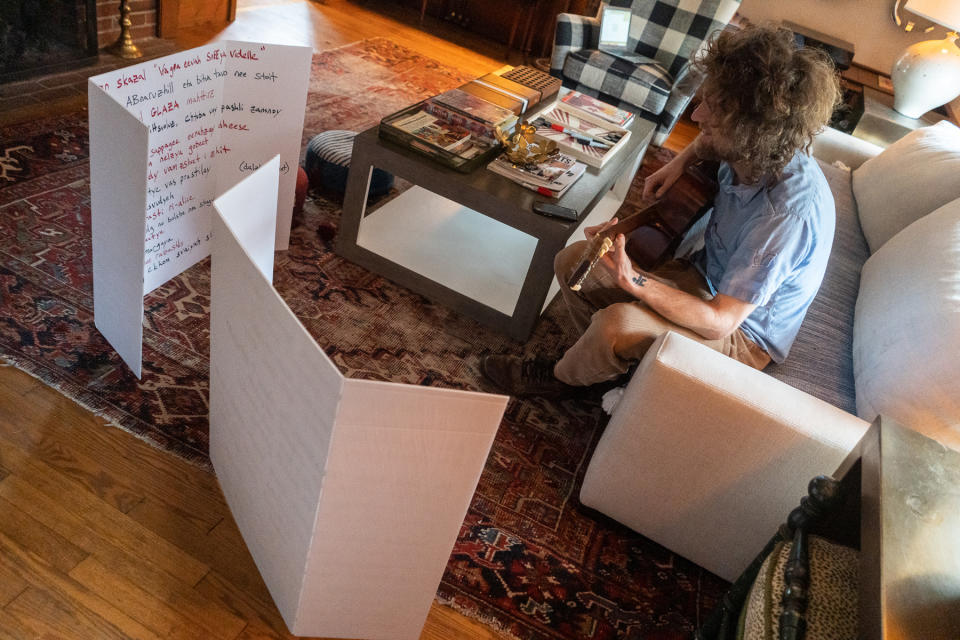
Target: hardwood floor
x=103, y=536
x=334, y=23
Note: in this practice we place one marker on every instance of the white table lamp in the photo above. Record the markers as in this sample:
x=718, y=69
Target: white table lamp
x=927, y=74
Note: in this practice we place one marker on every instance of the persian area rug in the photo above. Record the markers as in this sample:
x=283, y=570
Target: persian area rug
x=530, y=561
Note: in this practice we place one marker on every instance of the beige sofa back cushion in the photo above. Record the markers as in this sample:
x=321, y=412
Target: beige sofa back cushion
x=820, y=360
x=906, y=335
x=912, y=177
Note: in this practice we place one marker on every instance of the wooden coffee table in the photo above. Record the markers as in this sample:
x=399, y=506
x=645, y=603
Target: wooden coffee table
x=470, y=241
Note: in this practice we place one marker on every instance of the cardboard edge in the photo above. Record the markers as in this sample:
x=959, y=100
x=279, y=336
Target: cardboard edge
x=118, y=222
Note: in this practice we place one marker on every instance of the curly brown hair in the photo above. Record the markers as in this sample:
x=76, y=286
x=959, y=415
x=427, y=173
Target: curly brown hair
x=770, y=96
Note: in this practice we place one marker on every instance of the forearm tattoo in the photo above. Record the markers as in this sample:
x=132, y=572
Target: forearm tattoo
x=639, y=280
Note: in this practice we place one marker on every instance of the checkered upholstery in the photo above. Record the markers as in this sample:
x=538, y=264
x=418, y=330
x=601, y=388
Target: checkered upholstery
x=666, y=34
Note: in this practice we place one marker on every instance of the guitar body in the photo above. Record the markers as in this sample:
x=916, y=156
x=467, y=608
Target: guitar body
x=654, y=228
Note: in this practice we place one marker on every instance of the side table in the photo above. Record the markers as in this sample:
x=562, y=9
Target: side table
x=882, y=125
x=909, y=533
x=896, y=498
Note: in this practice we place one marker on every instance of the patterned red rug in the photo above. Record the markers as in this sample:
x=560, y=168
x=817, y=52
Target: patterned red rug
x=530, y=560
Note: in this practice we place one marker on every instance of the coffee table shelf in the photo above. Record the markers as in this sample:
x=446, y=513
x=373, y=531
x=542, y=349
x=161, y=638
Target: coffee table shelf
x=492, y=258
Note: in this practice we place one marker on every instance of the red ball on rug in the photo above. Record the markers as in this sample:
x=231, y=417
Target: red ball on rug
x=301, y=191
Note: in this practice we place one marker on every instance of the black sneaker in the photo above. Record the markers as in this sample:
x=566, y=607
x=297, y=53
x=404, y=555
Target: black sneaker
x=524, y=377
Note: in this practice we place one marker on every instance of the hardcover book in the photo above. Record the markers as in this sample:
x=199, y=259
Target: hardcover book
x=593, y=109
x=473, y=106
x=495, y=97
x=529, y=95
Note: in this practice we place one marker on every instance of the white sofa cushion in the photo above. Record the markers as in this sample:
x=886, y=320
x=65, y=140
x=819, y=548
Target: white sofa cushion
x=912, y=177
x=706, y=455
x=906, y=335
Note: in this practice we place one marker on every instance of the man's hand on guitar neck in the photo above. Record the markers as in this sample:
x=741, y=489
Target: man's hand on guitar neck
x=591, y=232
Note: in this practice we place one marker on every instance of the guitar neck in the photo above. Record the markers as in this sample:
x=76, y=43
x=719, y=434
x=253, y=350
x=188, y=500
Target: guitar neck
x=672, y=215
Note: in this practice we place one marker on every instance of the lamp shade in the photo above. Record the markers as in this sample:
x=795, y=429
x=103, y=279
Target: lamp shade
x=926, y=76
x=945, y=12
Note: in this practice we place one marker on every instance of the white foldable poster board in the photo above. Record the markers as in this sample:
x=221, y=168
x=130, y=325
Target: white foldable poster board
x=167, y=136
x=349, y=493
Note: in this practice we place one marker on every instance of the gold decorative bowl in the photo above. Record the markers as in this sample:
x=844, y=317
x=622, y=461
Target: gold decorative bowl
x=523, y=147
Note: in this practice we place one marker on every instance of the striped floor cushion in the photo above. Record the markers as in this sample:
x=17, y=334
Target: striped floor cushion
x=327, y=163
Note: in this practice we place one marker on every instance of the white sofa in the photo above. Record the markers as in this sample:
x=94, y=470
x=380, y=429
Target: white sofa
x=706, y=456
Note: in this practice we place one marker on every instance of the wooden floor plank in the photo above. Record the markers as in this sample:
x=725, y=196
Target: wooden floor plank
x=141, y=606
x=335, y=23
x=143, y=556
x=11, y=585
x=193, y=489
x=90, y=523
x=57, y=599
x=46, y=442
x=447, y=623
x=11, y=627
x=51, y=615
x=48, y=545
x=219, y=548
x=264, y=622
x=16, y=381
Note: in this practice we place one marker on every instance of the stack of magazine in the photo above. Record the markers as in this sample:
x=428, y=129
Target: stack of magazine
x=551, y=178
x=457, y=127
x=585, y=128
x=446, y=134
x=597, y=110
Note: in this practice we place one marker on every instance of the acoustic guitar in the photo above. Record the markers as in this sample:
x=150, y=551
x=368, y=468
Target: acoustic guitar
x=653, y=228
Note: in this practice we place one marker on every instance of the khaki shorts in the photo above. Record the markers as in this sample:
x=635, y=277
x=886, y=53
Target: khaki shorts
x=617, y=329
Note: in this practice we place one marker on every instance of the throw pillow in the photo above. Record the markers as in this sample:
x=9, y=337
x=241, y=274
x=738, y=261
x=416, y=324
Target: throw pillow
x=911, y=178
x=833, y=593
x=907, y=328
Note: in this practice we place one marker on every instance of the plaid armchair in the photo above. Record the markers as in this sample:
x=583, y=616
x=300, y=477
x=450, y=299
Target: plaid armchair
x=666, y=34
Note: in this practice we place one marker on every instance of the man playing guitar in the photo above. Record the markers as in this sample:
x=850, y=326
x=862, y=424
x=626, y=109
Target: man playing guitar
x=767, y=241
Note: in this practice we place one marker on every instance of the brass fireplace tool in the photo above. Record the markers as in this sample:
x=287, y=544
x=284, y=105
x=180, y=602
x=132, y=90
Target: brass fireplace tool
x=124, y=46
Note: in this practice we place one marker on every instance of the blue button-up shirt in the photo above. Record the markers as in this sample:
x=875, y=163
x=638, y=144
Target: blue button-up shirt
x=768, y=244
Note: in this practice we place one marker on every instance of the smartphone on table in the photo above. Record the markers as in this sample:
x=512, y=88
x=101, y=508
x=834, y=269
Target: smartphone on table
x=554, y=210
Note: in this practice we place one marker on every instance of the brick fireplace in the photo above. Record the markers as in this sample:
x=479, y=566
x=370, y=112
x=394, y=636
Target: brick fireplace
x=39, y=37
x=143, y=15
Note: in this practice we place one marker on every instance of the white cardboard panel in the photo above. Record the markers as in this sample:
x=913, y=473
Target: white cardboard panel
x=197, y=145
x=330, y=479
x=273, y=399
x=118, y=198
x=403, y=466
x=177, y=98
x=268, y=83
x=240, y=208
